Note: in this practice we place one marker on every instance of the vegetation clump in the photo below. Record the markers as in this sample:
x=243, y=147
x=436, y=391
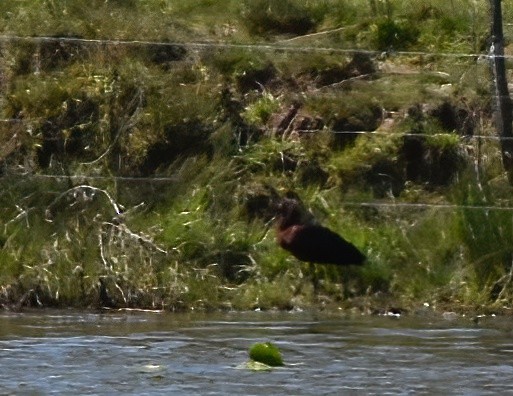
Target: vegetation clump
x=266, y=353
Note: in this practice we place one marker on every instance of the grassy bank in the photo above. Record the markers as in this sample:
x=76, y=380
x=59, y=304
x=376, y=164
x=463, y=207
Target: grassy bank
x=143, y=141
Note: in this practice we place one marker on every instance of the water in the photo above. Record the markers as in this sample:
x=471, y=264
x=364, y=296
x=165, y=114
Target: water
x=60, y=352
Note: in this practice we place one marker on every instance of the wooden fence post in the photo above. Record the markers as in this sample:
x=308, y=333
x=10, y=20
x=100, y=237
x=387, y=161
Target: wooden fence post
x=503, y=111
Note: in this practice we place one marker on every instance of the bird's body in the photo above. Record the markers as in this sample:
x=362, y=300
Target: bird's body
x=317, y=244
x=299, y=234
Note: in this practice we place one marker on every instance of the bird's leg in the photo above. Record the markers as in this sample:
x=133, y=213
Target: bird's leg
x=314, y=276
x=345, y=281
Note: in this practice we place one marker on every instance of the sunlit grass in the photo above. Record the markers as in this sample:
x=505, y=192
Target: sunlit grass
x=183, y=236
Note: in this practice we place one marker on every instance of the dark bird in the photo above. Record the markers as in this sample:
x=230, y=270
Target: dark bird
x=299, y=234
x=105, y=300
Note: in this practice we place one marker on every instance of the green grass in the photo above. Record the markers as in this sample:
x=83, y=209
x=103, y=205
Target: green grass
x=182, y=141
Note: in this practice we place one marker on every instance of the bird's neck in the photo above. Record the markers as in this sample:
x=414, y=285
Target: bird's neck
x=289, y=221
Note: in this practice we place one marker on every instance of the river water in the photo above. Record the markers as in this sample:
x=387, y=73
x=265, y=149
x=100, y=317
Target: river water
x=67, y=352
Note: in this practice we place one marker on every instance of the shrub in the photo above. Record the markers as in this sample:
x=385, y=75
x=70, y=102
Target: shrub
x=264, y=17
x=389, y=34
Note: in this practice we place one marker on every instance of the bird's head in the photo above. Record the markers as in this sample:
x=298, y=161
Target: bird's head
x=289, y=212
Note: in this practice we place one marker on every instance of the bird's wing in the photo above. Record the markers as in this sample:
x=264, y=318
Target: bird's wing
x=319, y=244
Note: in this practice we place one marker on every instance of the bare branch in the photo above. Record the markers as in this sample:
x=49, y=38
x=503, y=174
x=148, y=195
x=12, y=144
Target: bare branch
x=313, y=34
x=138, y=237
x=79, y=192
x=23, y=213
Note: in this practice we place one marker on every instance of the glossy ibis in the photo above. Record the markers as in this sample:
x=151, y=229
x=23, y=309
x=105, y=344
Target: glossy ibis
x=299, y=234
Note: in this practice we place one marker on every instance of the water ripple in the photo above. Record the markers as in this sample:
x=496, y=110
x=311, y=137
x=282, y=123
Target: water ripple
x=199, y=354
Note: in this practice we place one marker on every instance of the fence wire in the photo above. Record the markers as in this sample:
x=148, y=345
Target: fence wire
x=253, y=47
x=277, y=47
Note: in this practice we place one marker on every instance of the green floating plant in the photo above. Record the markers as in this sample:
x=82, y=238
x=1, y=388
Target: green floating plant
x=266, y=353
